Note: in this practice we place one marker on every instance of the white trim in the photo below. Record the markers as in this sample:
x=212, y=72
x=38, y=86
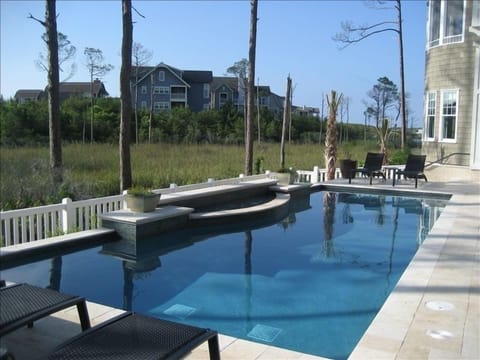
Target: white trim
x=475, y=143
x=435, y=117
x=457, y=94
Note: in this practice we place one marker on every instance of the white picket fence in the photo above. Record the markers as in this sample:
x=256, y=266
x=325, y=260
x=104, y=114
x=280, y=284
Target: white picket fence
x=32, y=224
x=41, y=222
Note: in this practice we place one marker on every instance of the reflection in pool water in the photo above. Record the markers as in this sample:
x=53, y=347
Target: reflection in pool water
x=311, y=282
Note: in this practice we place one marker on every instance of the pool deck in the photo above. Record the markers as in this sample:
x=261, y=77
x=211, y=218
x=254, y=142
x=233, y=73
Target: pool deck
x=433, y=312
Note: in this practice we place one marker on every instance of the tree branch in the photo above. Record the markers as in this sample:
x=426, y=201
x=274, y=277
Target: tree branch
x=30, y=16
x=352, y=34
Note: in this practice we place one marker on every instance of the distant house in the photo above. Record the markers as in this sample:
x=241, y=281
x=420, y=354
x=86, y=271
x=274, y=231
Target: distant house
x=164, y=87
x=82, y=89
x=227, y=89
x=22, y=96
x=306, y=111
x=66, y=90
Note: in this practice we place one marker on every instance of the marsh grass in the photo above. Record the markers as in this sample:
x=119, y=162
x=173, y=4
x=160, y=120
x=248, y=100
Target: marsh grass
x=92, y=170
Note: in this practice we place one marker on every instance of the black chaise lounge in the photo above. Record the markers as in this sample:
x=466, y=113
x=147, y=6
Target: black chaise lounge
x=413, y=169
x=22, y=304
x=134, y=336
x=372, y=167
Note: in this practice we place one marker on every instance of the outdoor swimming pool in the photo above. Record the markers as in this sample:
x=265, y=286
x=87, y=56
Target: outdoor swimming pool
x=311, y=282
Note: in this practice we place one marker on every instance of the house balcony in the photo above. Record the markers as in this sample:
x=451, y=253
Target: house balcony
x=178, y=97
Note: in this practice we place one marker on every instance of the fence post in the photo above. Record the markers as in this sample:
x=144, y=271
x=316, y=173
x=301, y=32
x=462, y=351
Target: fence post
x=67, y=215
x=314, y=178
x=124, y=193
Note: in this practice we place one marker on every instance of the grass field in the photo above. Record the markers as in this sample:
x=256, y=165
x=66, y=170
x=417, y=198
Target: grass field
x=92, y=170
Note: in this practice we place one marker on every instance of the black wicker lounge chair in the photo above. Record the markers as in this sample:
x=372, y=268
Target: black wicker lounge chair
x=372, y=167
x=22, y=304
x=134, y=336
x=413, y=169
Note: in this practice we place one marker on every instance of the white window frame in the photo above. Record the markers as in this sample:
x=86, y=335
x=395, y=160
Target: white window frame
x=164, y=90
x=161, y=75
x=161, y=106
x=143, y=89
x=206, y=91
x=221, y=101
x=430, y=113
x=443, y=115
x=143, y=105
x=442, y=38
x=476, y=13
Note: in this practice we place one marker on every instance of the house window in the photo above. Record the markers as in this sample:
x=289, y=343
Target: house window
x=430, y=116
x=143, y=105
x=161, y=75
x=165, y=90
x=161, y=106
x=445, y=22
x=162, y=90
x=476, y=13
x=143, y=89
x=206, y=91
x=223, y=98
x=449, y=115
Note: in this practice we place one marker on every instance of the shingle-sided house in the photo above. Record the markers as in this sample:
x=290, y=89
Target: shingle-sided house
x=164, y=87
x=227, y=89
x=66, y=90
x=451, y=133
x=24, y=95
x=82, y=89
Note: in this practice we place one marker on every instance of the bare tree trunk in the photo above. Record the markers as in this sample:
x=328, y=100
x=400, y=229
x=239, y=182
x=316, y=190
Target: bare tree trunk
x=251, y=83
x=286, y=115
x=259, y=138
x=150, y=118
x=126, y=96
x=92, y=112
x=53, y=94
x=402, y=77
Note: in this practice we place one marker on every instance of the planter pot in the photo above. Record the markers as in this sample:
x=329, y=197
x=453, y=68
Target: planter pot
x=285, y=178
x=347, y=167
x=142, y=203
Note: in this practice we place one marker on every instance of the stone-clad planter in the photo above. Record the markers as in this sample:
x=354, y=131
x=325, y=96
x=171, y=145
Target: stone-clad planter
x=142, y=202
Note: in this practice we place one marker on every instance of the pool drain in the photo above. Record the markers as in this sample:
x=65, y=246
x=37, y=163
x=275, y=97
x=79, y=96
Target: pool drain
x=440, y=305
x=180, y=311
x=264, y=333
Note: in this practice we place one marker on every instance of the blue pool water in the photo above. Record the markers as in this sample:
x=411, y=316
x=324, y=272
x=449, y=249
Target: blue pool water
x=311, y=282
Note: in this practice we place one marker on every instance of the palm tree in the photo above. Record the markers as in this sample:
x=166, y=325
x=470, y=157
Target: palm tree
x=331, y=136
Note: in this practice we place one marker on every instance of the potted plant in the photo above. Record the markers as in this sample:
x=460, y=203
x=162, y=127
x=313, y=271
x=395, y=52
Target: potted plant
x=286, y=176
x=140, y=199
x=348, y=165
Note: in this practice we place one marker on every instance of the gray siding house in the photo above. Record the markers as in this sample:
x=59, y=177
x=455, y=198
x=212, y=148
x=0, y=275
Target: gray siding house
x=228, y=89
x=451, y=134
x=164, y=87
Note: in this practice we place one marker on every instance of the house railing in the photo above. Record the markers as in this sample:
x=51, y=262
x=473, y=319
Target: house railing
x=32, y=224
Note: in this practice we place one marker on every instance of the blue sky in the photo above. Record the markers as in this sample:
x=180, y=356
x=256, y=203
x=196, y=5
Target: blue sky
x=294, y=37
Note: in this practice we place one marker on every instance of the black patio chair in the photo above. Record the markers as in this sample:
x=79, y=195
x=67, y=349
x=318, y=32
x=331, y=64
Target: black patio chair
x=22, y=304
x=372, y=167
x=413, y=169
x=134, y=336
